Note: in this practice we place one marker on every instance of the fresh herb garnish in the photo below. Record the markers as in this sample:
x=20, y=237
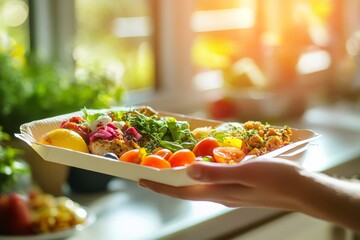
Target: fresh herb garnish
x=249, y=133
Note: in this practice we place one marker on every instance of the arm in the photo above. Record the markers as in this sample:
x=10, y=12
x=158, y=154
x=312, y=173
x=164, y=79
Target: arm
x=273, y=183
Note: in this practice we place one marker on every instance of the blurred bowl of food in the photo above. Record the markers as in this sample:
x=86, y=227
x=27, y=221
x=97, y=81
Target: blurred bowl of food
x=39, y=215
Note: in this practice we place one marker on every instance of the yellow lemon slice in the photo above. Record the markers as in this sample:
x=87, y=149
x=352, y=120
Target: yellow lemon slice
x=65, y=138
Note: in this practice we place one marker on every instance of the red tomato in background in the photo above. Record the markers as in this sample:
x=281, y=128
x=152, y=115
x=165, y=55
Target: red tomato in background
x=222, y=109
x=156, y=161
x=205, y=147
x=229, y=155
x=182, y=157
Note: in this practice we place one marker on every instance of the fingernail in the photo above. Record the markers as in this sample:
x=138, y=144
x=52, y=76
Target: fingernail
x=194, y=172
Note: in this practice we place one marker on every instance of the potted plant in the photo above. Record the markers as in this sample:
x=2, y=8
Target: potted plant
x=32, y=90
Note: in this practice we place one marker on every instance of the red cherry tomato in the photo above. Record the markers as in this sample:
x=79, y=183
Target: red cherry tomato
x=229, y=155
x=156, y=161
x=182, y=157
x=205, y=147
x=133, y=156
x=165, y=153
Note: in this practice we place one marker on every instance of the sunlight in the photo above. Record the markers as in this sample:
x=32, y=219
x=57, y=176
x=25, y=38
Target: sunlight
x=225, y=19
x=208, y=80
x=15, y=13
x=132, y=27
x=314, y=61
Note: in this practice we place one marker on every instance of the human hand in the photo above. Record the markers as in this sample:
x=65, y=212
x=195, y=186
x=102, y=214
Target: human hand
x=262, y=182
x=274, y=183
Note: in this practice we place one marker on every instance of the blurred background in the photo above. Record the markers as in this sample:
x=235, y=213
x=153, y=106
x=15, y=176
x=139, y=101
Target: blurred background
x=232, y=59
x=293, y=62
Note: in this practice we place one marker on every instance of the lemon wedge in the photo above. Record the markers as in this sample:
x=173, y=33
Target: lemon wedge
x=65, y=138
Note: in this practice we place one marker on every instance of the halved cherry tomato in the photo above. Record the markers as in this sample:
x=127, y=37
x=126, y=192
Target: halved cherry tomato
x=156, y=161
x=134, y=155
x=205, y=147
x=229, y=155
x=182, y=157
x=165, y=153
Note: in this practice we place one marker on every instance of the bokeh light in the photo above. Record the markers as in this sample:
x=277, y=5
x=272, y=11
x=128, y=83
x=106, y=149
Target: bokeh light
x=15, y=13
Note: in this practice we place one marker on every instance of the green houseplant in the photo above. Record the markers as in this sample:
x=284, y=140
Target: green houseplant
x=37, y=90
x=14, y=171
x=32, y=90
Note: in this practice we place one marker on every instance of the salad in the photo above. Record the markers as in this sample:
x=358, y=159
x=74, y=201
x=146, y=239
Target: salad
x=141, y=135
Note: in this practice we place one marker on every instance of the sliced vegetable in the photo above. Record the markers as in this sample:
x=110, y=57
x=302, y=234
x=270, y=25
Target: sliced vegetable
x=205, y=147
x=229, y=155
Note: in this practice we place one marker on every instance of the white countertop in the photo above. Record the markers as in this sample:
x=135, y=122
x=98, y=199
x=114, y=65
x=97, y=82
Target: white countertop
x=129, y=212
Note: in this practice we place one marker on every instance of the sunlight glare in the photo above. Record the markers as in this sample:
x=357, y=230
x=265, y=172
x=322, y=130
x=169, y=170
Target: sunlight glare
x=132, y=27
x=15, y=13
x=314, y=61
x=208, y=80
x=225, y=19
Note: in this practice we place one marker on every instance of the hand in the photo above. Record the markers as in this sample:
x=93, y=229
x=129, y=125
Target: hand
x=274, y=183
x=262, y=182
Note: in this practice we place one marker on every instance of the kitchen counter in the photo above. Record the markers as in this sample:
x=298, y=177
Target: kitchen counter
x=128, y=212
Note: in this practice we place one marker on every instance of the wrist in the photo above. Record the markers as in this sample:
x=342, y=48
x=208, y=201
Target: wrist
x=328, y=198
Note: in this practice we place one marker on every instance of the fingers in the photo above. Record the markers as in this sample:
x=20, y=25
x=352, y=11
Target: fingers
x=245, y=173
x=214, y=173
x=229, y=195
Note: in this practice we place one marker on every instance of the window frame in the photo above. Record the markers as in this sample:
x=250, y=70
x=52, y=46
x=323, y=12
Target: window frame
x=52, y=34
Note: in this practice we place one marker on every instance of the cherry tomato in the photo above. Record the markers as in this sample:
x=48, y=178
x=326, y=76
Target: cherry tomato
x=205, y=147
x=182, y=157
x=156, y=161
x=230, y=155
x=134, y=155
x=165, y=153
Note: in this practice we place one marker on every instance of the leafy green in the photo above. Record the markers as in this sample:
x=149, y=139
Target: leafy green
x=158, y=131
x=11, y=166
x=91, y=117
x=37, y=90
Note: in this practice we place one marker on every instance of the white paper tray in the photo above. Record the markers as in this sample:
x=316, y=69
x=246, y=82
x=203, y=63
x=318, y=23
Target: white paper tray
x=32, y=131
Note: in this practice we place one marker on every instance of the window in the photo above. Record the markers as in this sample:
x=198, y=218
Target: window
x=190, y=48
x=271, y=43
x=116, y=36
